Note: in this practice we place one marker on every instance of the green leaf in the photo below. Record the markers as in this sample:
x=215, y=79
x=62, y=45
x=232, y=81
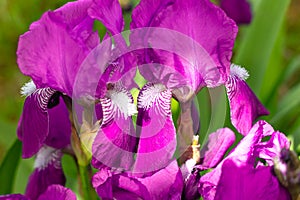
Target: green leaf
x=213, y=108
x=293, y=66
x=258, y=42
x=289, y=103
x=9, y=167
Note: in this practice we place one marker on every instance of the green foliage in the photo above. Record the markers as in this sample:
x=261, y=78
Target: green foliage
x=8, y=168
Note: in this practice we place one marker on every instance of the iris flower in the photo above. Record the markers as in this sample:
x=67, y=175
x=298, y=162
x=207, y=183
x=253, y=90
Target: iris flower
x=249, y=167
x=62, y=54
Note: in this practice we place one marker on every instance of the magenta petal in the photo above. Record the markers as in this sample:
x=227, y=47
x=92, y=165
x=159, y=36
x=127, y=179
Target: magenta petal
x=245, y=108
x=109, y=12
x=33, y=127
x=47, y=171
x=248, y=183
x=50, y=53
x=57, y=192
x=166, y=183
x=204, y=48
x=59, y=125
x=216, y=147
x=155, y=128
x=238, y=10
x=115, y=143
x=13, y=197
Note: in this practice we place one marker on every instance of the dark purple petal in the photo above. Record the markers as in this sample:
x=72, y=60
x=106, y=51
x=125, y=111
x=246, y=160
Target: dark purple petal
x=115, y=142
x=52, y=51
x=155, y=129
x=13, y=197
x=248, y=183
x=102, y=182
x=245, y=108
x=204, y=48
x=47, y=171
x=33, y=126
x=59, y=125
x=238, y=10
x=216, y=147
x=57, y=192
x=190, y=190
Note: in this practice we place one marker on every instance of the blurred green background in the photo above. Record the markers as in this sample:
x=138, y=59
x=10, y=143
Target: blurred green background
x=269, y=48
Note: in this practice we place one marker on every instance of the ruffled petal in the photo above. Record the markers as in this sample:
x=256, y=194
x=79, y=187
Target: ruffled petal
x=52, y=51
x=216, y=147
x=245, y=108
x=272, y=148
x=204, y=49
x=58, y=192
x=248, y=183
x=155, y=129
x=115, y=142
x=238, y=10
x=34, y=125
x=47, y=171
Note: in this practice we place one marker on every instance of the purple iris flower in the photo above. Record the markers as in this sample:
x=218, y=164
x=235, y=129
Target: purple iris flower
x=243, y=168
x=238, y=10
x=133, y=162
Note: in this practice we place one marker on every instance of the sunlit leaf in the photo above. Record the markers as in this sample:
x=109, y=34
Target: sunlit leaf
x=256, y=48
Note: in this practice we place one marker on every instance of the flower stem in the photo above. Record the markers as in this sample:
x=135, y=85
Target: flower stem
x=86, y=187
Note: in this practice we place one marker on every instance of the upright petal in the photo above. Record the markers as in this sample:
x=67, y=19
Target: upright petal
x=115, y=142
x=47, y=171
x=109, y=12
x=52, y=51
x=238, y=10
x=245, y=108
x=57, y=192
x=199, y=41
x=155, y=129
